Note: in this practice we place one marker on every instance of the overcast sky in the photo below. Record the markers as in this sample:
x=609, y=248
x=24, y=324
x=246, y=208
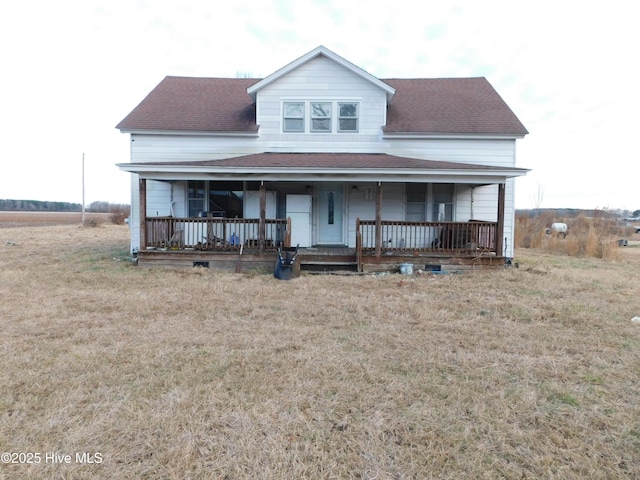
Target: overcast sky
x=568, y=69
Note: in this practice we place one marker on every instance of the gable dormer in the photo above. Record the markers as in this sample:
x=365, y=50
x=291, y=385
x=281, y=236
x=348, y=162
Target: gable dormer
x=320, y=94
x=320, y=51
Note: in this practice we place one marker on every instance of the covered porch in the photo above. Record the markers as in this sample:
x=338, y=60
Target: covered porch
x=362, y=214
x=249, y=243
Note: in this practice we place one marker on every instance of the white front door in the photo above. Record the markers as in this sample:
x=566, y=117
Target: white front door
x=330, y=213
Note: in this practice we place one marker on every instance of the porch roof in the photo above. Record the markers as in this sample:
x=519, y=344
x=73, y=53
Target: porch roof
x=325, y=167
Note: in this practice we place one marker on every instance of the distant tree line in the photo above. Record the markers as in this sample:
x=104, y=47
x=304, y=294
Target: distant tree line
x=574, y=212
x=42, y=206
x=38, y=205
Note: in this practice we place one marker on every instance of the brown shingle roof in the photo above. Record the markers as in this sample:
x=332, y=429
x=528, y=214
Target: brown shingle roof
x=449, y=105
x=435, y=106
x=195, y=104
x=332, y=161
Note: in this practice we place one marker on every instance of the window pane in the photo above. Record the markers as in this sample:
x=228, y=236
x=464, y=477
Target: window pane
x=348, y=125
x=416, y=192
x=331, y=207
x=443, y=202
x=321, y=124
x=294, y=125
x=348, y=109
x=415, y=212
x=320, y=110
x=195, y=197
x=443, y=193
x=294, y=110
x=196, y=189
x=443, y=212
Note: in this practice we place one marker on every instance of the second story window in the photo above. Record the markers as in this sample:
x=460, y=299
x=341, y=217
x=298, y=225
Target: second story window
x=294, y=117
x=327, y=116
x=321, y=117
x=347, y=117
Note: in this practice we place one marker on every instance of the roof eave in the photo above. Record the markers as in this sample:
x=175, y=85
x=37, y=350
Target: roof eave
x=420, y=135
x=285, y=171
x=209, y=133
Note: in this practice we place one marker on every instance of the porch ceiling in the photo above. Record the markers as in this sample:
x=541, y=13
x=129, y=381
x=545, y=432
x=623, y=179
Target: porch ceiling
x=325, y=167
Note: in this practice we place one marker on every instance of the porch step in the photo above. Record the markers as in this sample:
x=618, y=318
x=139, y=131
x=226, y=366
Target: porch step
x=329, y=267
x=327, y=262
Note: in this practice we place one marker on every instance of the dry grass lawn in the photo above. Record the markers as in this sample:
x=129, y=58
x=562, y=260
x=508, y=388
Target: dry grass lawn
x=10, y=219
x=521, y=373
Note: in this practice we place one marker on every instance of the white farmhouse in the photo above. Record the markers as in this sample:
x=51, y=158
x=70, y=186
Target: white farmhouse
x=354, y=169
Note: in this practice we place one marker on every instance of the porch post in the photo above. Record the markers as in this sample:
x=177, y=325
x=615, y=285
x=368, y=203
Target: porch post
x=263, y=213
x=142, y=192
x=379, y=219
x=500, y=223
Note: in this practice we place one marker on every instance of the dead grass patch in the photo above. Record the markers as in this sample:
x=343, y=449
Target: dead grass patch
x=9, y=219
x=587, y=236
x=527, y=372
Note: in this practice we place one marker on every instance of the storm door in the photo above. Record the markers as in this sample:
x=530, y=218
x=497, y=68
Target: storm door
x=330, y=213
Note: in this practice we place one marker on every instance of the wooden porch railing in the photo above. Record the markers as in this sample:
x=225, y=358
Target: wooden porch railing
x=216, y=233
x=446, y=237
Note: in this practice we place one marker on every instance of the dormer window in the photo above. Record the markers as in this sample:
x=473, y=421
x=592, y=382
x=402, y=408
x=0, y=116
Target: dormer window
x=318, y=116
x=321, y=117
x=294, y=117
x=347, y=117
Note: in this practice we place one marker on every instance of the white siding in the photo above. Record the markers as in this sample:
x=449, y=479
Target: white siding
x=158, y=199
x=496, y=152
x=175, y=148
x=158, y=203
x=180, y=199
x=484, y=199
x=321, y=80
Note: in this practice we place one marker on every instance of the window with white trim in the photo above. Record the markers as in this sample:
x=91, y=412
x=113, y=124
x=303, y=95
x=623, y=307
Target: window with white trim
x=433, y=203
x=443, y=202
x=416, y=202
x=321, y=116
x=347, y=117
x=293, y=117
x=196, y=194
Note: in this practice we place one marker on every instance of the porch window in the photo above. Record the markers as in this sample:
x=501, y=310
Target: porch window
x=225, y=199
x=443, y=202
x=330, y=209
x=347, y=117
x=416, y=202
x=321, y=117
x=293, y=117
x=217, y=199
x=195, y=197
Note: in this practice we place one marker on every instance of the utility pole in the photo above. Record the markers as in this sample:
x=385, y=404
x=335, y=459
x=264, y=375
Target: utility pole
x=83, y=214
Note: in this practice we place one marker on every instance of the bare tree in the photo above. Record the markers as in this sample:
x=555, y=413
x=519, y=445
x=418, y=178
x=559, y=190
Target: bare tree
x=538, y=196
